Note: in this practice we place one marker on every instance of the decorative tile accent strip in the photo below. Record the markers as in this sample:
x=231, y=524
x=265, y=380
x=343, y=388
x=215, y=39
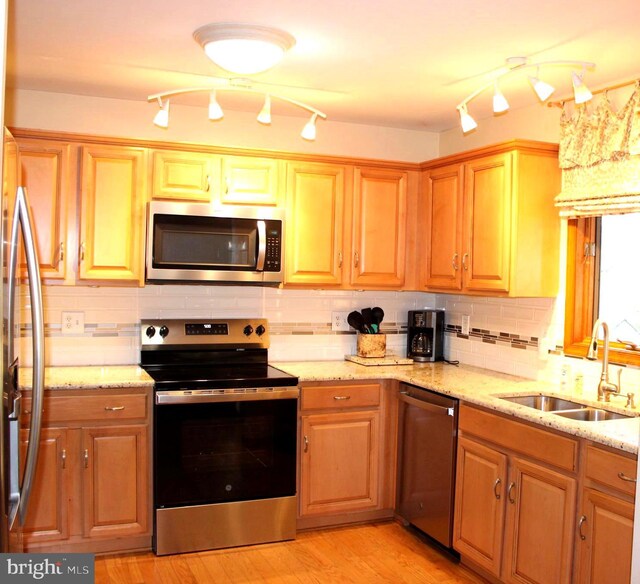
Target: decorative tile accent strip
x=494, y=338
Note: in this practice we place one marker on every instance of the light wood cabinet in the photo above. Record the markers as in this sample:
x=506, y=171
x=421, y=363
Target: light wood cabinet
x=605, y=527
x=92, y=487
x=46, y=173
x=491, y=224
x=315, y=207
x=515, y=498
x=182, y=176
x=112, y=204
x=249, y=180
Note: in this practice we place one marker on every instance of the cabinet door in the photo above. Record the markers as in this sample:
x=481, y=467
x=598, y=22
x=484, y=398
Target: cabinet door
x=443, y=227
x=480, y=504
x=379, y=227
x=112, y=213
x=48, y=513
x=487, y=223
x=115, y=480
x=249, y=180
x=539, y=539
x=182, y=176
x=314, y=226
x=45, y=172
x=607, y=528
x=339, y=470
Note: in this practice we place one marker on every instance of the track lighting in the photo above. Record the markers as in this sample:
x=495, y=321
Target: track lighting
x=309, y=130
x=543, y=90
x=264, y=117
x=161, y=119
x=215, y=111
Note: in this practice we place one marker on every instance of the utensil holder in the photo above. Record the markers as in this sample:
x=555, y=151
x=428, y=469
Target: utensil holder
x=371, y=345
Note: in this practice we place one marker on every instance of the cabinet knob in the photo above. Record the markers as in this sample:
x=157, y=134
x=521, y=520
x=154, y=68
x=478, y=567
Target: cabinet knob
x=582, y=521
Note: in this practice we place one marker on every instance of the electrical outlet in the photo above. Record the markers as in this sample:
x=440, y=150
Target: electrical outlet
x=72, y=323
x=339, y=321
x=465, y=324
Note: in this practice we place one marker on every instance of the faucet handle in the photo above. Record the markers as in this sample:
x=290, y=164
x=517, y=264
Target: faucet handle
x=630, y=401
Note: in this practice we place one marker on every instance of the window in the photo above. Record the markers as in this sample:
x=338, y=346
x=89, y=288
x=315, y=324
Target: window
x=603, y=282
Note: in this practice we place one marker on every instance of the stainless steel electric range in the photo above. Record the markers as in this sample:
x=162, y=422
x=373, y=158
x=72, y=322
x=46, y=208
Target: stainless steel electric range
x=225, y=435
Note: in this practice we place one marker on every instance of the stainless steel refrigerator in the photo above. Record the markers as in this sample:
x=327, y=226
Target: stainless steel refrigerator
x=20, y=273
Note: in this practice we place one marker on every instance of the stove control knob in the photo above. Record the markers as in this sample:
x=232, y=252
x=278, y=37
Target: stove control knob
x=260, y=330
x=151, y=330
x=164, y=331
x=248, y=330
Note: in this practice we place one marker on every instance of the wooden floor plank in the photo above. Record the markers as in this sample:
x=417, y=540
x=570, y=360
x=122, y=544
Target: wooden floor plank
x=375, y=553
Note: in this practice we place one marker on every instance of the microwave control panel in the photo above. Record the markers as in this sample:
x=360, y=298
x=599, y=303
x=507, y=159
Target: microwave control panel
x=273, y=255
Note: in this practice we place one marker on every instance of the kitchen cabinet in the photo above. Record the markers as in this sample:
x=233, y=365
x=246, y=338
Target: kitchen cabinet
x=347, y=433
x=605, y=527
x=112, y=205
x=220, y=179
x=314, y=228
x=515, y=498
x=92, y=488
x=46, y=173
x=491, y=227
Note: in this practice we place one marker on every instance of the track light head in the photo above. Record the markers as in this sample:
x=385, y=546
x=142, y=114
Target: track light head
x=543, y=90
x=264, y=117
x=580, y=90
x=215, y=111
x=161, y=119
x=309, y=130
x=500, y=103
x=467, y=122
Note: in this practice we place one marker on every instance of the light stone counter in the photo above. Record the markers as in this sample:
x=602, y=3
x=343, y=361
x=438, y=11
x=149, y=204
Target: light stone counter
x=105, y=377
x=482, y=387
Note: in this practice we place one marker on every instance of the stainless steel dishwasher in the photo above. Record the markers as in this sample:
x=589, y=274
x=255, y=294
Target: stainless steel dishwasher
x=428, y=430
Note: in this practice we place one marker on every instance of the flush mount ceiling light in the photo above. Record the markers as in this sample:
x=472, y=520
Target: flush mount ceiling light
x=251, y=49
x=243, y=49
x=543, y=90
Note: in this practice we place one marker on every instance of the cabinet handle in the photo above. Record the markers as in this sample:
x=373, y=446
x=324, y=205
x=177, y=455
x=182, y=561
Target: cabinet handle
x=339, y=259
x=464, y=261
x=454, y=262
x=582, y=521
x=114, y=408
x=495, y=487
x=226, y=185
x=64, y=458
x=341, y=397
x=82, y=251
x=624, y=477
x=356, y=259
x=512, y=501
x=61, y=253
x=208, y=187
x=86, y=459
x=306, y=444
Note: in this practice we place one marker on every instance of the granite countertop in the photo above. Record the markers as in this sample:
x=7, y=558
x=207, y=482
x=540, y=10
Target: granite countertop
x=473, y=385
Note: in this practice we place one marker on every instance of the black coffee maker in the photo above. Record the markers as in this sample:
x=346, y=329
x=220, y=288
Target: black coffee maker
x=425, y=335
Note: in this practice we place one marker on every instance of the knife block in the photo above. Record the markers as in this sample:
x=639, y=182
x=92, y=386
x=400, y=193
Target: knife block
x=371, y=345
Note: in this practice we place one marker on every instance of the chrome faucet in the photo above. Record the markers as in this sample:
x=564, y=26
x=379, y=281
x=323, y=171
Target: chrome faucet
x=605, y=387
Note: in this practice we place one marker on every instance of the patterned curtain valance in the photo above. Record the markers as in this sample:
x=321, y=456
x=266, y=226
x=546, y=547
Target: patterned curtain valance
x=600, y=159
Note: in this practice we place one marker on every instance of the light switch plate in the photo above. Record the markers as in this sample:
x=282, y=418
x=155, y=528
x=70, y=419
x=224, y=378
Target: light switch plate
x=466, y=319
x=72, y=323
x=339, y=321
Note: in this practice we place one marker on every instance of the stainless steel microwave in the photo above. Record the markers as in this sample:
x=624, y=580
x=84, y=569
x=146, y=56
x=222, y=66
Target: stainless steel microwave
x=200, y=243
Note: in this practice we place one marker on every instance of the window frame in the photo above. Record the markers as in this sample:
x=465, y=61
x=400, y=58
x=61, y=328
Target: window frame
x=581, y=296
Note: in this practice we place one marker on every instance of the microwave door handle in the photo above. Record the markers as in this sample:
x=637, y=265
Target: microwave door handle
x=262, y=245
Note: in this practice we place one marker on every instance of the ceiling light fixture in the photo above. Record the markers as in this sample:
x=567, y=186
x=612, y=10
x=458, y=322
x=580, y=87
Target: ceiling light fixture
x=243, y=49
x=543, y=90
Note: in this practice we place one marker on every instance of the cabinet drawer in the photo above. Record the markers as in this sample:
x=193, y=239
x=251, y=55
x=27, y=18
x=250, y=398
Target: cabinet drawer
x=341, y=396
x=537, y=443
x=610, y=469
x=103, y=408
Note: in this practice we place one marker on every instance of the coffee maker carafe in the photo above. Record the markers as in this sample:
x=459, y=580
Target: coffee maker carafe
x=425, y=335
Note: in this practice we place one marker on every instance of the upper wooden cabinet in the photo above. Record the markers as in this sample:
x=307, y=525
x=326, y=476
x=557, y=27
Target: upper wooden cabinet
x=112, y=213
x=46, y=175
x=210, y=178
x=490, y=222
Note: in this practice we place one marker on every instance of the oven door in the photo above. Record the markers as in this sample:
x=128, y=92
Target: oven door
x=219, y=447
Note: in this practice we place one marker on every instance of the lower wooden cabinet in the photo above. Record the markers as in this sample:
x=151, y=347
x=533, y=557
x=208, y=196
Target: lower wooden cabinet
x=92, y=486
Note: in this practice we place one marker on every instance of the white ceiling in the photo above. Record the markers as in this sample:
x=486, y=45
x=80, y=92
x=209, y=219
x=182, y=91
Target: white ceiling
x=397, y=63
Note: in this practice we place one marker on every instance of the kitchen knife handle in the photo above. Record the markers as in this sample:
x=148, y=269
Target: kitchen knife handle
x=356, y=259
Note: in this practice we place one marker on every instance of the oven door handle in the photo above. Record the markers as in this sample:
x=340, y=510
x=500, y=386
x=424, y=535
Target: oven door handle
x=195, y=397
x=262, y=245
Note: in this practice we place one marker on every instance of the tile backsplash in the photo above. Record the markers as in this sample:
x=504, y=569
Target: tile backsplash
x=520, y=336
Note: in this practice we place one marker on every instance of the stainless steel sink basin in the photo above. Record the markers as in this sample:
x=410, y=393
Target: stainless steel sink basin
x=545, y=403
x=592, y=415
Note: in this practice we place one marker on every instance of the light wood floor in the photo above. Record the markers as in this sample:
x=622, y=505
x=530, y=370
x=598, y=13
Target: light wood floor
x=379, y=552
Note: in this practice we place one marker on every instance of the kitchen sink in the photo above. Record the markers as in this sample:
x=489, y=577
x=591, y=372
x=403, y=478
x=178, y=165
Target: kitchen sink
x=592, y=415
x=545, y=403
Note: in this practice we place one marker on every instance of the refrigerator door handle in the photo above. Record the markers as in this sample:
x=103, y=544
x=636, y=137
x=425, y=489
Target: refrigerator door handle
x=22, y=217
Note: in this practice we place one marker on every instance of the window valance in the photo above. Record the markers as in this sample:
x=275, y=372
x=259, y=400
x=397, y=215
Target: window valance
x=600, y=159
